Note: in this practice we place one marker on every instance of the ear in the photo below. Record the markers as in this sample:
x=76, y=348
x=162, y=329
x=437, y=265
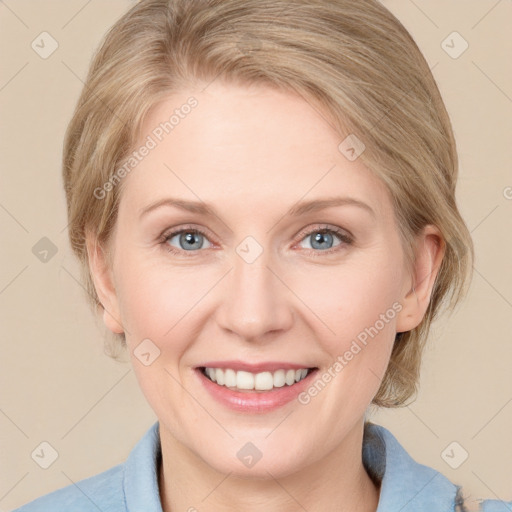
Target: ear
x=429, y=252
x=104, y=283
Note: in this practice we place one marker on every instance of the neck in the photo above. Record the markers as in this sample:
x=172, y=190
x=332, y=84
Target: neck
x=336, y=483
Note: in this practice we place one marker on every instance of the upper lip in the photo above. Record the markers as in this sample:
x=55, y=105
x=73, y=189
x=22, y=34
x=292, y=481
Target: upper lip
x=266, y=366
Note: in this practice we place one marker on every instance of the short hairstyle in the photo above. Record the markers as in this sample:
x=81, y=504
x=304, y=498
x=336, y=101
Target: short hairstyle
x=350, y=59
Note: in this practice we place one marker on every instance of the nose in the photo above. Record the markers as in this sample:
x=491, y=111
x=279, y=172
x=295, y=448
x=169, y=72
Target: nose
x=255, y=301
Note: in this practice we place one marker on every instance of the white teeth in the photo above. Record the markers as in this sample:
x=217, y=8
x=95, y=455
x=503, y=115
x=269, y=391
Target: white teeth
x=219, y=376
x=230, y=378
x=279, y=379
x=244, y=380
x=290, y=377
x=211, y=373
x=262, y=381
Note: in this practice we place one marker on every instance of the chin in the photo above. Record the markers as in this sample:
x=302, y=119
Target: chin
x=261, y=470
x=259, y=459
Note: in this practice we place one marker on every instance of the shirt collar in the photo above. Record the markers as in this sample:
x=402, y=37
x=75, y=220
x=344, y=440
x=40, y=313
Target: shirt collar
x=140, y=479
x=405, y=484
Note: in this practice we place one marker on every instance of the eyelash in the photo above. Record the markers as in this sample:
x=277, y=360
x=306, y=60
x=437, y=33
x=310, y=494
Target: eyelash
x=344, y=237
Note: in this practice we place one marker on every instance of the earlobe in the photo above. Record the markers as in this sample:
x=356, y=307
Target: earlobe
x=429, y=253
x=103, y=283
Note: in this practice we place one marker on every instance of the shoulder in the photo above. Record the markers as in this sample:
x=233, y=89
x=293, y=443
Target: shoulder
x=495, y=506
x=132, y=485
x=103, y=491
x=407, y=485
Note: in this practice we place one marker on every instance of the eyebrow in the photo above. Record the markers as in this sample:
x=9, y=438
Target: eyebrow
x=299, y=208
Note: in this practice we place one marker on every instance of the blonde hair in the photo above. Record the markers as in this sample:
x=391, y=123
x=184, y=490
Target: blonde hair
x=352, y=59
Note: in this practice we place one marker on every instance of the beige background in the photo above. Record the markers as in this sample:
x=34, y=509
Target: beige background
x=56, y=383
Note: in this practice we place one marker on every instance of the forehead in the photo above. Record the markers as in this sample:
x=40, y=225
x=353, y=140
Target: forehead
x=255, y=143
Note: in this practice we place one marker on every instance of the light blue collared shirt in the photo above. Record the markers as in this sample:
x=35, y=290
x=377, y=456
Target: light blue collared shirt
x=406, y=486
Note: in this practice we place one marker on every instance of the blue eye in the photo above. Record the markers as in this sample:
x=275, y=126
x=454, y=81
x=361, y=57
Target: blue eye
x=320, y=240
x=188, y=240
x=323, y=240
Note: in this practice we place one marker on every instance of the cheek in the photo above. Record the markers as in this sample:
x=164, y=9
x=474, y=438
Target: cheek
x=340, y=302
x=360, y=305
x=154, y=298
x=348, y=300
x=360, y=308
x=157, y=304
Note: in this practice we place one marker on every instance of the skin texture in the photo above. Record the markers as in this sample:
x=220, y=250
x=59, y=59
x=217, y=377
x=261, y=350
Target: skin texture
x=253, y=153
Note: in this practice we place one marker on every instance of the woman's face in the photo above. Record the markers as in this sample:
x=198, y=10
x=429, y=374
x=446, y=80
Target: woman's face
x=273, y=280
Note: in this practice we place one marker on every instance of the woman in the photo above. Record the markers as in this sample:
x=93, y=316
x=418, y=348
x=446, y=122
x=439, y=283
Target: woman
x=262, y=196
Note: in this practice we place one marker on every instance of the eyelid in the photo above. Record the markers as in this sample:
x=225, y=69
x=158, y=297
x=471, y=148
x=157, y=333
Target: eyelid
x=341, y=232
x=172, y=232
x=346, y=238
x=177, y=230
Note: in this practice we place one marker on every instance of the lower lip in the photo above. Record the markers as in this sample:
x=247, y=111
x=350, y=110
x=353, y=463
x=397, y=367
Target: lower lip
x=257, y=402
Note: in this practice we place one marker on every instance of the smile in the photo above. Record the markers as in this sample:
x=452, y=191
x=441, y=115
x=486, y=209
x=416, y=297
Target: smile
x=254, y=392
x=248, y=381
